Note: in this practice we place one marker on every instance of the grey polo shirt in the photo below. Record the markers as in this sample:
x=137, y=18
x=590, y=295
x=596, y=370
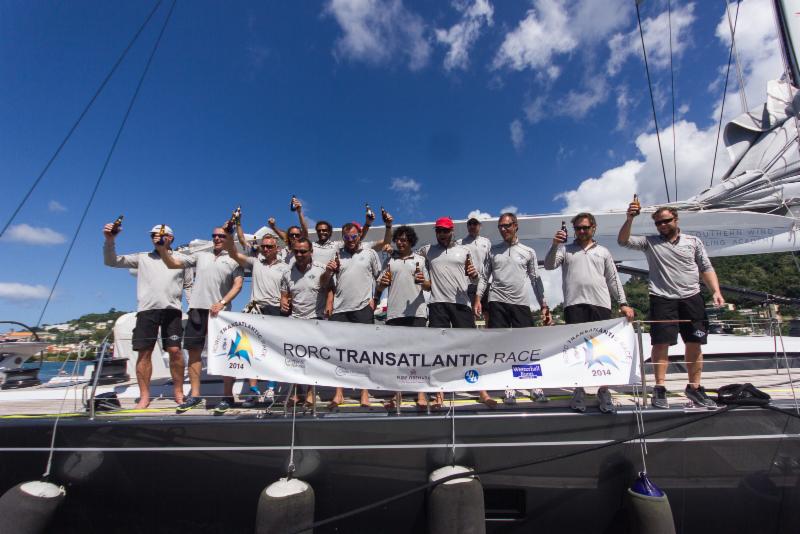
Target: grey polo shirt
x=446, y=267
x=587, y=276
x=266, y=284
x=308, y=295
x=674, y=267
x=323, y=253
x=355, y=281
x=479, y=248
x=214, y=276
x=510, y=268
x=157, y=286
x=406, y=297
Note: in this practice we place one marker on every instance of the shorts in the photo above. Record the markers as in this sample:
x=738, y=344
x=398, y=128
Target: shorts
x=407, y=321
x=266, y=309
x=505, y=315
x=196, y=329
x=450, y=315
x=148, y=322
x=692, y=309
x=585, y=313
x=363, y=316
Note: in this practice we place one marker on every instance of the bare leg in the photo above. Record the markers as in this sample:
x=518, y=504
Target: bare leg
x=253, y=382
x=694, y=363
x=144, y=370
x=310, y=396
x=422, y=399
x=365, y=397
x=195, y=368
x=227, y=386
x=658, y=355
x=487, y=399
x=176, y=367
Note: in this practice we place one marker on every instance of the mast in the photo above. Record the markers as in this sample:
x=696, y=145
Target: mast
x=789, y=32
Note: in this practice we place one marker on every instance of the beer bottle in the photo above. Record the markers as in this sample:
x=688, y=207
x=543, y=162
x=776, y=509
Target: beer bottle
x=291, y=204
x=389, y=271
x=383, y=214
x=638, y=204
x=564, y=229
x=417, y=271
x=467, y=264
x=370, y=213
x=338, y=261
x=237, y=215
x=116, y=225
x=161, y=233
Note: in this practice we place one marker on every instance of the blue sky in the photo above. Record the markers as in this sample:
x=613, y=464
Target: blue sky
x=426, y=108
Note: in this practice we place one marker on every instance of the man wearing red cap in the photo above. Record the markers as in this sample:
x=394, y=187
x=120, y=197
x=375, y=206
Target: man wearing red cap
x=451, y=270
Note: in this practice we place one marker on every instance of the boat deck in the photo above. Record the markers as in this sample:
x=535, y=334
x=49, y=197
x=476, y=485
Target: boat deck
x=47, y=402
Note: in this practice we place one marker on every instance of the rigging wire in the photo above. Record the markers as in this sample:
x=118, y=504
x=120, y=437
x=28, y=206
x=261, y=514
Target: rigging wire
x=108, y=160
x=80, y=117
x=724, y=92
x=742, y=96
x=672, y=84
x=652, y=99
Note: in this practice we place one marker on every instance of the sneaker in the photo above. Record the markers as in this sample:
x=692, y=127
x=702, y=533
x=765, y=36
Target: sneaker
x=604, y=401
x=578, y=402
x=510, y=397
x=223, y=406
x=188, y=404
x=269, y=395
x=659, y=399
x=252, y=398
x=537, y=395
x=699, y=398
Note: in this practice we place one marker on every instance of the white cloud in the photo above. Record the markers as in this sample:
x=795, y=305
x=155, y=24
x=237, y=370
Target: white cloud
x=480, y=215
x=517, y=134
x=460, y=37
x=15, y=291
x=56, y=207
x=623, y=105
x=377, y=31
x=33, y=235
x=409, y=194
x=759, y=54
x=656, y=39
x=576, y=104
x=509, y=209
x=542, y=34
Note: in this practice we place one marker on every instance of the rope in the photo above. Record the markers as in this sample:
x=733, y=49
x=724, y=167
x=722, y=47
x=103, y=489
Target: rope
x=724, y=92
x=563, y=456
x=742, y=96
x=652, y=100
x=80, y=118
x=107, y=161
x=672, y=84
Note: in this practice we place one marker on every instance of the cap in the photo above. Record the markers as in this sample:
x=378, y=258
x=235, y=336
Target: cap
x=473, y=220
x=357, y=226
x=157, y=228
x=444, y=222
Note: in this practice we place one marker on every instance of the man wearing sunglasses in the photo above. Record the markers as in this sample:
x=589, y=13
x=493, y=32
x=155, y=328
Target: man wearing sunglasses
x=676, y=262
x=510, y=266
x=218, y=279
x=265, y=295
x=589, y=281
x=158, y=306
x=450, y=275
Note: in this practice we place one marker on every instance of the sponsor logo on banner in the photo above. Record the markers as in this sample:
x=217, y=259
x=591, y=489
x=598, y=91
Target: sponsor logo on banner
x=292, y=363
x=471, y=376
x=412, y=377
x=596, y=348
x=527, y=371
x=239, y=342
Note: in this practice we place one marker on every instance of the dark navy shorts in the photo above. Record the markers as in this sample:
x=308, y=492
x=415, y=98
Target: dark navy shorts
x=148, y=322
x=692, y=309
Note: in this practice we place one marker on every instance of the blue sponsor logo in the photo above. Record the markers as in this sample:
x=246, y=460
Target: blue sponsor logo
x=527, y=371
x=471, y=376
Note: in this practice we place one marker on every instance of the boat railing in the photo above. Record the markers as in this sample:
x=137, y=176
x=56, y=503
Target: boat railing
x=97, y=372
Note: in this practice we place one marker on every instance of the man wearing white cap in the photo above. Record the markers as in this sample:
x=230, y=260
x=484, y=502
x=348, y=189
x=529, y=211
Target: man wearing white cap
x=158, y=306
x=218, y=279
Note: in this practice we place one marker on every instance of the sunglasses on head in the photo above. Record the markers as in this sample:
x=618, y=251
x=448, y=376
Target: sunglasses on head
x=664, y=221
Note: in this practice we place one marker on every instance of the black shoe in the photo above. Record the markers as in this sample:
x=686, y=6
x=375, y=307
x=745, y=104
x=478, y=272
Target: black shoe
x=223, y=406
x=699, y=398
x=604, y=401
x=578, y=402
x=188, y=404
x=659, y=399
x=510, y=397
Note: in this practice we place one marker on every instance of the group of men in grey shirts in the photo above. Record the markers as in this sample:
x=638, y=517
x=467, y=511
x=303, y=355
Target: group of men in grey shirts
x=445, y=284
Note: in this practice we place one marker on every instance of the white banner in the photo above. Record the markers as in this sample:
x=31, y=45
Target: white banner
x=421, y=359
